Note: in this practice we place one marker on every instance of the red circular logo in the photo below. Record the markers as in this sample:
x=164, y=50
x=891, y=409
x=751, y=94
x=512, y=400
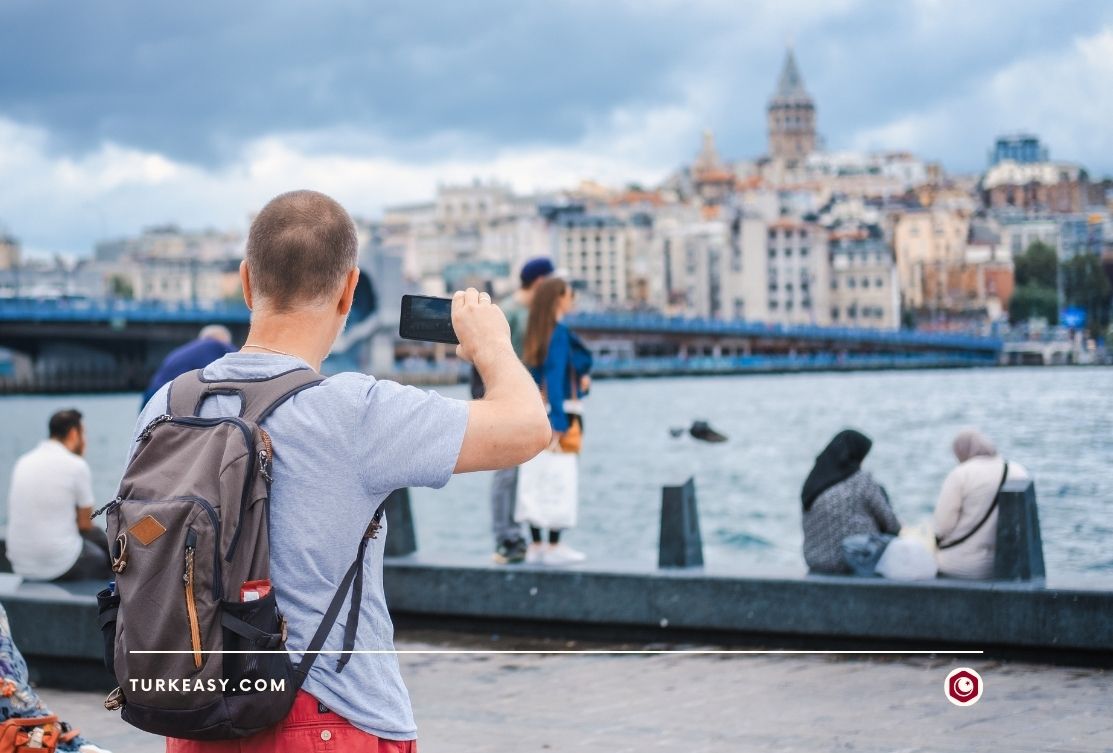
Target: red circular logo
x=963, y=686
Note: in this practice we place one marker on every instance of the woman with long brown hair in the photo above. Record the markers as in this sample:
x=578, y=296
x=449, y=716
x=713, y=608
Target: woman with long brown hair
x=560, y=365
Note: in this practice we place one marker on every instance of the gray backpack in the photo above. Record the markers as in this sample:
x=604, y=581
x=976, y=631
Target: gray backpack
x=190, y=544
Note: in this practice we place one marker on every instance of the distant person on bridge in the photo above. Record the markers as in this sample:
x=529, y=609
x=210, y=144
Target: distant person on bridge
x=510, y=545
x=966, y=514
x=213, y=342
x=840, y=500
x=51, y=535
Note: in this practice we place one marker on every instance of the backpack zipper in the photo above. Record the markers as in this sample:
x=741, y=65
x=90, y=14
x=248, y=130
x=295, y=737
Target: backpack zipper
x=146, y=433
x=191, y=604
x=218, y=585
x=265, y=456
x=107, y=508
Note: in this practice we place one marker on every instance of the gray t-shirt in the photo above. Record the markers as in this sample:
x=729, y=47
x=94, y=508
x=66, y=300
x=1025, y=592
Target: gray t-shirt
x=339, y=449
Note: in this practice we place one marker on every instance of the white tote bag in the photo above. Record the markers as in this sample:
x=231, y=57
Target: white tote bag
x=548, y=496
x=906, y=559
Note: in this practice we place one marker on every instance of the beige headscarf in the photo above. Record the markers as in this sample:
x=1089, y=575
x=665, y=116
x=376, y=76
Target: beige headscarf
x=971, y=443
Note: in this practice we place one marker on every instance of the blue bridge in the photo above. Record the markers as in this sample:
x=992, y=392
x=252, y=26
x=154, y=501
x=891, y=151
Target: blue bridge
x=90, y=344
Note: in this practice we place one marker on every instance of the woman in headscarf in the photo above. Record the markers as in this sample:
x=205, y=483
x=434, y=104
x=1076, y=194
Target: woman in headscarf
x=840, y=499
x=966, y=516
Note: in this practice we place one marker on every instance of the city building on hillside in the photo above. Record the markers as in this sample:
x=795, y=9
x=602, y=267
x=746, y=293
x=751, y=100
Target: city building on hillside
x=696, y=257
x=797, y=273
x=865, y=291
x=712, y=180
x=1020, y=230
x=59, y=277
x=168, y=242
x=989, y=280
x=953, y=195
x=475, y=222
x=1024, y=148
x=1059, y=187
x=969, y=292
x=986, y=243
x=10, y=255
x=178, y=280
x=592, y=248
x=880, y=174
x=617, y=258
x=168, y=264
x=791, y=117
x=953, y=266
x=1084, y=234
x=927, y=239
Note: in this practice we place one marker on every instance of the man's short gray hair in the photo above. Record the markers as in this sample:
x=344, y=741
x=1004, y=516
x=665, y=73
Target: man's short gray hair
x=300, y=248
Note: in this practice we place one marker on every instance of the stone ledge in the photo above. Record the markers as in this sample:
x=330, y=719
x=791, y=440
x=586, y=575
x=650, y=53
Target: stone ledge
x=55, y=624
x=982, y=614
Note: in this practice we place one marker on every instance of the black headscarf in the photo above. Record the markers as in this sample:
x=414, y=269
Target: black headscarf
x=840, y=459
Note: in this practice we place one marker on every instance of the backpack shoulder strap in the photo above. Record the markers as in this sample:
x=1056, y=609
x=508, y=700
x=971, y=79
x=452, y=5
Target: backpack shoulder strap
x=352, y=581
x=258, y=397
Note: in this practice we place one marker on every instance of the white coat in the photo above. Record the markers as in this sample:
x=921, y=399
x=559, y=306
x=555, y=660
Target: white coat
x=967, y=493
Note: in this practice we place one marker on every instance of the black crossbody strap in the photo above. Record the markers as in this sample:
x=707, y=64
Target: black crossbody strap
x=992, y=507
x=353, y=579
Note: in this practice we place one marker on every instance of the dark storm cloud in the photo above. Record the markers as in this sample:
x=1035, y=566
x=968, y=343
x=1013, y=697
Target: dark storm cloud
x=195, y=81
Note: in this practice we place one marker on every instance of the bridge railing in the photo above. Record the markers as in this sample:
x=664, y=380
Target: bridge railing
x=646, y=322
x=87, y=309
x=765, y=363
x=107, y=309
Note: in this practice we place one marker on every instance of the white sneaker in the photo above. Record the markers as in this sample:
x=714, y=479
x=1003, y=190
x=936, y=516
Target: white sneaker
x=562, y=554
x=534, y=554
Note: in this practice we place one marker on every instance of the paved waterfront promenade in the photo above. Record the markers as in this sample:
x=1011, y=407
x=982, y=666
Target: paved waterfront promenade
x=783, y=704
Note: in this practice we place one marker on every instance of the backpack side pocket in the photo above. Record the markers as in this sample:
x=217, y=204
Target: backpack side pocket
x=108, y=606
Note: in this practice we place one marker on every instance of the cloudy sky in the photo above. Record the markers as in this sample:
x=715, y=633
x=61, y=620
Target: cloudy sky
x=118, y=114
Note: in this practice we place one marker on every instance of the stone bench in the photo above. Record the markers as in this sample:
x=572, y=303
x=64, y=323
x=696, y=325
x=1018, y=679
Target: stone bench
x=1018, y=555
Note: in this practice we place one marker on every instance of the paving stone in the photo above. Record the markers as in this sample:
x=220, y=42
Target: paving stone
x=778, y=704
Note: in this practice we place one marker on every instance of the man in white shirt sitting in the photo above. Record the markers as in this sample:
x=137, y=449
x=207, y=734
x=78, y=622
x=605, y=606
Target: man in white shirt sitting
x=51, y=535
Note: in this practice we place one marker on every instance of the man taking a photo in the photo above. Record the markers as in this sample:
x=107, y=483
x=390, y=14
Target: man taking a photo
x=342, y=446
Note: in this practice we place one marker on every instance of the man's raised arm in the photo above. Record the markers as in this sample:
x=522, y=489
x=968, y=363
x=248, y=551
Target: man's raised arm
x=508, y=426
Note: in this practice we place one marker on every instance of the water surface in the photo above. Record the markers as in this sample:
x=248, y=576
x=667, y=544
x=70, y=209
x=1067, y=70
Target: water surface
x=1058, y=422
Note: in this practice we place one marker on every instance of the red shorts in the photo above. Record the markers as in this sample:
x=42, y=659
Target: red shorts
x=305, y=728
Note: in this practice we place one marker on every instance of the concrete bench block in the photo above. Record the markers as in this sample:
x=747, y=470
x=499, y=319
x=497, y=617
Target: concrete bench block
x=1019, y=553
x=680, y=543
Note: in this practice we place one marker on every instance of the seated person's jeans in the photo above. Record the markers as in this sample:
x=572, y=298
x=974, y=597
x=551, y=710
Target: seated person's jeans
x=93, y=562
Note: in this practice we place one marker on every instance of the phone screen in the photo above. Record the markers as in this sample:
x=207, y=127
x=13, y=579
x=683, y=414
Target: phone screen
x=427, y=318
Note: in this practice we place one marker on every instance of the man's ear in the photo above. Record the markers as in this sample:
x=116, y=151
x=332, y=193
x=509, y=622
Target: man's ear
x=344, y=305
x=245, y=283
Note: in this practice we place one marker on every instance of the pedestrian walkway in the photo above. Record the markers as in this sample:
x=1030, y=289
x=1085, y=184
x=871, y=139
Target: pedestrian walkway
x=778, y=704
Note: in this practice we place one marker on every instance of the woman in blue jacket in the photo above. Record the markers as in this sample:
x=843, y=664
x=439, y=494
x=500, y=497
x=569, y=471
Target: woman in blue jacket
x=560, y=364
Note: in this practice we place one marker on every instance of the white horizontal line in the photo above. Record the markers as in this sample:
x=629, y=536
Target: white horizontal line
x=583, y=652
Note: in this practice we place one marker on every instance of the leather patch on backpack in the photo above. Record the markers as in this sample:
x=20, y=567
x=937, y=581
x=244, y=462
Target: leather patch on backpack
x=147, y=529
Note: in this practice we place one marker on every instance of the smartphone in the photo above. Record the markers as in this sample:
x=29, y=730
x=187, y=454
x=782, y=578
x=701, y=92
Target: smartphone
x=427, y=318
